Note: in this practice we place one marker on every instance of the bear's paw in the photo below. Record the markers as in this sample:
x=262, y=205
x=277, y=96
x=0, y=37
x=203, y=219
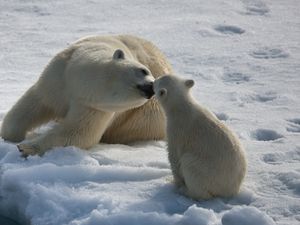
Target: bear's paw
x=27, y=149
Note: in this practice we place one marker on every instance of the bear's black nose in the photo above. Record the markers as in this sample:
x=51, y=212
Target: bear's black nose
x=146, y=89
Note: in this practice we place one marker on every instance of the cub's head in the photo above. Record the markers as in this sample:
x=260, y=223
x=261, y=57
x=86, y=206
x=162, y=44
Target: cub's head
x=171, y=90
x=116, y=83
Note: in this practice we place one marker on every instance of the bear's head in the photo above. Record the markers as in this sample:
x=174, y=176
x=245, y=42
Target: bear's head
x=171, y=90
x=111, y=84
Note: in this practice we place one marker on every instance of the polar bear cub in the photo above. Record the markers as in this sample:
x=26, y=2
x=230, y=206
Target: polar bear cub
x=206, y=157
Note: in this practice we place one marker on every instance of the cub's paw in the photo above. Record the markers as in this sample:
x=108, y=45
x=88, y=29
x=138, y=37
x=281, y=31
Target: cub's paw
x=28, y=149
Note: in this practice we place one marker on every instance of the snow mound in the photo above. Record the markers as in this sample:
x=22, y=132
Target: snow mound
x=246, y=216
x=107, y=185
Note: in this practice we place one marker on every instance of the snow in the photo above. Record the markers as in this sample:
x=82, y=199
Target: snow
x=241, y=215
x=244, y=56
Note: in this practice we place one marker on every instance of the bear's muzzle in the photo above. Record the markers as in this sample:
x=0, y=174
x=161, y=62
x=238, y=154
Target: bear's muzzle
x=146, y=89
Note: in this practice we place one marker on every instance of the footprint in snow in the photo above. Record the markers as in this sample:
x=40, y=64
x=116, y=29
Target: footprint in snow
x=291, y=180
x=256, y=8
x=269, y=53
x=259, y=97
x=294, y=125
x=229, y=29
x=265, y=135
x=265, y=97
x=282, y=157
x=235, y=77
x=33, y=9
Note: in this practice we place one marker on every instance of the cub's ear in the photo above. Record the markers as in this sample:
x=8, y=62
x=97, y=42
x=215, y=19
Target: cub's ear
x=162, y=92
x=189, y=83
x=119, y=54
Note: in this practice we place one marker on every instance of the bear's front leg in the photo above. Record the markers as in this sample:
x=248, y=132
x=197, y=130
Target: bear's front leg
x=82, y=127
x=175, y=167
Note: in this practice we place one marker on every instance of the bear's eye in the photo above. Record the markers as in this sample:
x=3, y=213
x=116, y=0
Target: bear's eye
x=145, y=72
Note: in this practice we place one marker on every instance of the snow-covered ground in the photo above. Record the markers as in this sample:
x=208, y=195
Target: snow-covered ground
x=244, y=56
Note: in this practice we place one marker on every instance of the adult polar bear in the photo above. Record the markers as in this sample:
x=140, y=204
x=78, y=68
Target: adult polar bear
x=97, y=88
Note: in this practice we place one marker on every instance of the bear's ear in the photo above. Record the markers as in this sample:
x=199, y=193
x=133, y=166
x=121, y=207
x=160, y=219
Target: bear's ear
x=189, y=83
x=119, y=54
x=162, y=92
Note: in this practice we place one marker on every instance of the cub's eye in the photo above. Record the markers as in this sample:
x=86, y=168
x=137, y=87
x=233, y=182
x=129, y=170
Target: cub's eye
x=145, y=72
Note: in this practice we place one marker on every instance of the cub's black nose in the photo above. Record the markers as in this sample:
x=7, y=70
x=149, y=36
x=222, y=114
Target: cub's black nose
x=146, y=89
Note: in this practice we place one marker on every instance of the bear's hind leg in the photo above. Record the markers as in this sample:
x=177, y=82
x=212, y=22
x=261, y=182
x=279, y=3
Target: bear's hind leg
x=196, y=187
x=140, y=124
x=196, y=177
x=28, y=113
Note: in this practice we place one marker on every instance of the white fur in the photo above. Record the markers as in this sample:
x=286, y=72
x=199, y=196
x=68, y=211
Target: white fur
x=90, y=88
x=206, y=158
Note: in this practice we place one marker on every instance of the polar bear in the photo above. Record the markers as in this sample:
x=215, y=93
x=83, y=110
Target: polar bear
x=98, y=88
x=206, y=157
